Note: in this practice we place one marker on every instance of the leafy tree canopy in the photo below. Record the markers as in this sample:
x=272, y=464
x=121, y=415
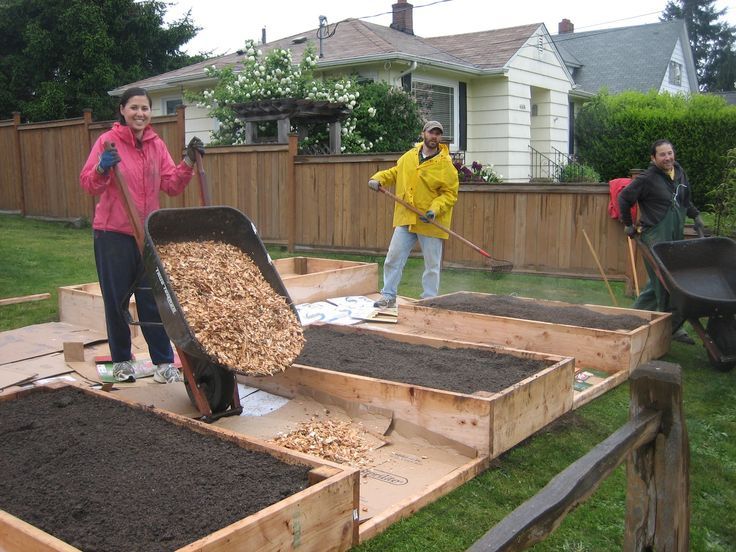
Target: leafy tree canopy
x=713, y=42
x=63, y=56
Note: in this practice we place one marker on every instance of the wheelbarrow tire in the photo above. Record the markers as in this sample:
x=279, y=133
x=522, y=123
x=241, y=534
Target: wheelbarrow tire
x=217, y=383
x=722, y=330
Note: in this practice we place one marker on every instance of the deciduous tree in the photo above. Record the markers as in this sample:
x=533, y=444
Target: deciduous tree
x=63, y=56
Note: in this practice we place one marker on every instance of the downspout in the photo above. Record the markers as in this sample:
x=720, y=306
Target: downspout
x=407, y=85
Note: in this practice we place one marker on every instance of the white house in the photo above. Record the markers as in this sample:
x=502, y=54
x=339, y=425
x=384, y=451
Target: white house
x=504, y=96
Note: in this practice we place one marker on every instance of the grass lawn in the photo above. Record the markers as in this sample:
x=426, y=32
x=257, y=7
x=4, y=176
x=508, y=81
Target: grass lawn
x=38, y=257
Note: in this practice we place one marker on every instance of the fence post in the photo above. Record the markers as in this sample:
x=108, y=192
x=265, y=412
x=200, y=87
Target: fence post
x=658, y=484
x=291, y=193
x=87, y=118
x=19, y=162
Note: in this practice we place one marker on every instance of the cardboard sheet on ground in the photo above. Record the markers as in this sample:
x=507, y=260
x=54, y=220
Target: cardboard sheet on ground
x=42, y=339
x=402, y=465
x=32, y=369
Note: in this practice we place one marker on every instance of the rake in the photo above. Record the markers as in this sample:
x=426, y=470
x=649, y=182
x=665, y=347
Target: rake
x=494, y=265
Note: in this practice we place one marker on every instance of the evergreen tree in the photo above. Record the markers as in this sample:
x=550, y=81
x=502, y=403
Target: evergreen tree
x=63, y=56
x=713, y=43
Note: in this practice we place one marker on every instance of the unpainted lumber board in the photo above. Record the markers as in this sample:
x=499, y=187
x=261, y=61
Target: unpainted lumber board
x=24, y=299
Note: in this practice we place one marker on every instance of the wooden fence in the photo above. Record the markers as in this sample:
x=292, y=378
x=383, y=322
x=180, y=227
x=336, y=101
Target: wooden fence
x=322, y=203
x=654, y=444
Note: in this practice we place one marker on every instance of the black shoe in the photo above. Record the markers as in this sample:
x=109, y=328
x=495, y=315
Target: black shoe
x=681, y=336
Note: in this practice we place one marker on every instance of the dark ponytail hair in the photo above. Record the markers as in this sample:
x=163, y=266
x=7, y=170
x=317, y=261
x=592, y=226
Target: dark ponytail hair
x=129, y=93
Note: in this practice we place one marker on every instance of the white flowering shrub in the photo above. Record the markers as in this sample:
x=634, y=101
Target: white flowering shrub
x=367, y=128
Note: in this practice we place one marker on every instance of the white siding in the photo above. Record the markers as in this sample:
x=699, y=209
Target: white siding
x=678, y=56
x=500, y=123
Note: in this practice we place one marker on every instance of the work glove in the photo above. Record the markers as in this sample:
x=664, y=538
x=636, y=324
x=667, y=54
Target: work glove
x=374, y=185
x=699, y=226
x=109, y=158
x=195, y=145
x=630, y=231
x=428, y=216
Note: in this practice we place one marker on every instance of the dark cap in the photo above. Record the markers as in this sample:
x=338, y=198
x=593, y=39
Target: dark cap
x=431, y=125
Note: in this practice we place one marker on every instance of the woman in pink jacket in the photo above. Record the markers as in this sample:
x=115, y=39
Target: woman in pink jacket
x=146, y=165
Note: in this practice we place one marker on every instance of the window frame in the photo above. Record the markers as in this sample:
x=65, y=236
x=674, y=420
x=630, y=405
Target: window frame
x=454, y=87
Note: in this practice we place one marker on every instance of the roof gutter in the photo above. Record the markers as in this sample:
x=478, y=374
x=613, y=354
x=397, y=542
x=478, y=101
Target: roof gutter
x=411, y=69
x=411, y=58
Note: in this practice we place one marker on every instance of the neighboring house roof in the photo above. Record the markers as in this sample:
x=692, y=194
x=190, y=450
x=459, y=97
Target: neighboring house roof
x=355, y=42
x=625, y=58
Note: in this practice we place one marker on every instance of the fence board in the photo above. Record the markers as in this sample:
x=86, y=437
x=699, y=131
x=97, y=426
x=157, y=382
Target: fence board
x=537, y=227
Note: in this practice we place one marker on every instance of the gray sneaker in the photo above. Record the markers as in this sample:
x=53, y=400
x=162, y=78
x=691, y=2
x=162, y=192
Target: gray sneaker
x=385, y=302
x=167, y=373
x=123, y=371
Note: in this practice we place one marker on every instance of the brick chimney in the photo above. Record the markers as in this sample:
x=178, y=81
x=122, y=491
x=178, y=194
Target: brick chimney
x=403, y=17
x=565, y=26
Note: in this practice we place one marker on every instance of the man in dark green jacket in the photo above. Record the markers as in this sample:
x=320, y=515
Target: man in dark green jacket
x=663, y=194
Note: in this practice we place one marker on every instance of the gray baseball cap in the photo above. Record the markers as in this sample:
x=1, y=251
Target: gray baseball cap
x=430, y=125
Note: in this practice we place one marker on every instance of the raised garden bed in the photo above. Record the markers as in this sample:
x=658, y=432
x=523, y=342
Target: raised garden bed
x=310, y=279
x=604, y=338
x=307, y=280
x=489, y=398
x=84, y=470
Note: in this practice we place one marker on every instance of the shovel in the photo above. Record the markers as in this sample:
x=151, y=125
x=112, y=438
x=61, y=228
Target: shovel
x=495, y=265
x=128, y=205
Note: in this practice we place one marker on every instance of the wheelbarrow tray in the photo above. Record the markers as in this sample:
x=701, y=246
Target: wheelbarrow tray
x=700, y=275
x=194, y=224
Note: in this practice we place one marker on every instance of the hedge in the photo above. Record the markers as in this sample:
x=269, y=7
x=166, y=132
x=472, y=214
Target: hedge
x=614, y=134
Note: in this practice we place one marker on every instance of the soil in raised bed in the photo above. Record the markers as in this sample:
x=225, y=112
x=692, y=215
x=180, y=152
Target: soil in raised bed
x=463, y=370
x=527, y=309
x=101, y=475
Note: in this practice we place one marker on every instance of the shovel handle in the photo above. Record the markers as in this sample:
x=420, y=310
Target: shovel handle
x=204, y=189
x=433, y=222
x=130, y=208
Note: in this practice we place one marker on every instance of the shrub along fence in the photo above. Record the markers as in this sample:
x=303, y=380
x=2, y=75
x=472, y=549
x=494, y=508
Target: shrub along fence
x=323, y=203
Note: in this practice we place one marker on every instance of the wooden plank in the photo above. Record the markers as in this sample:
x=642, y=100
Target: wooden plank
x=24, y=299
x=18, y=536
x=540, y=515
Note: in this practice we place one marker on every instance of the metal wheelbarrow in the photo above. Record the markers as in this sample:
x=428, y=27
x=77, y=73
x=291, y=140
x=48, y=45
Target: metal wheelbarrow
x=211, y=387
x=700, y=276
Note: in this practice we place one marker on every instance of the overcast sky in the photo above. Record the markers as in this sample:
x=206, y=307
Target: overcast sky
x=226, y=24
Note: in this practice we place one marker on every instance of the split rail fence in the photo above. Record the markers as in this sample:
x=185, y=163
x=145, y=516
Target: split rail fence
x=322, y=203
x=654, y=444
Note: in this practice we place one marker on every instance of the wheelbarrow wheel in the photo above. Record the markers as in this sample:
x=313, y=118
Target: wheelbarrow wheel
x=722, y=330
x=216, y=382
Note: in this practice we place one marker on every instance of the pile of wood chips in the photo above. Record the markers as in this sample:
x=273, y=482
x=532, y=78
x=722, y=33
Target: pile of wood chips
x=236, y=316
x=339, y=441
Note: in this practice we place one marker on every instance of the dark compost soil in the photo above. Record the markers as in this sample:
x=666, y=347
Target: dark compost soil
x=100, y=475
x=463, y=370
x=528, y=309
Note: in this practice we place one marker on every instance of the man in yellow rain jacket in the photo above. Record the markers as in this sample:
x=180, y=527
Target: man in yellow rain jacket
x=426, y=178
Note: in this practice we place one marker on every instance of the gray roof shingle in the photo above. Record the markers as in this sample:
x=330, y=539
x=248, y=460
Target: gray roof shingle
x=354, y=41
x=625, y=58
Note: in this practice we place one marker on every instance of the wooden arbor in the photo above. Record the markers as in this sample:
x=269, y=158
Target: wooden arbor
x=300, y=112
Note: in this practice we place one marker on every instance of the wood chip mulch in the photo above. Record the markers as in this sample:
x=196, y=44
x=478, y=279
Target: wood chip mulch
x=338, y=441
x=235, y=315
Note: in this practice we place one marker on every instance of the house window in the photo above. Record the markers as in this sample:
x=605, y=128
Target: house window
x=675, y=73
x=436, y=103
x=171, y=104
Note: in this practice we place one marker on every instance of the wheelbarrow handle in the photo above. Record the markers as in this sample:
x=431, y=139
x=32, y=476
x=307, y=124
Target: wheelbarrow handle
x=433, y=222
x=649, y=256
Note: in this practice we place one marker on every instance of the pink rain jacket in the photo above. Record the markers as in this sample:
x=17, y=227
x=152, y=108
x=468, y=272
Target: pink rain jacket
x=146, y=170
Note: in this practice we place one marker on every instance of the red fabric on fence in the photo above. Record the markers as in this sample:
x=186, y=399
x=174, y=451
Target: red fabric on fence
x=615, y=186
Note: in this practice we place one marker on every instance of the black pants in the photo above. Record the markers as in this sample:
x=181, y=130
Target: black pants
x=119, y=264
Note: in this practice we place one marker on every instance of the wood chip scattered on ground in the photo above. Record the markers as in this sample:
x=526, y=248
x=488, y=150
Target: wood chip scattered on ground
x=236, y=316
x=339, y=441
